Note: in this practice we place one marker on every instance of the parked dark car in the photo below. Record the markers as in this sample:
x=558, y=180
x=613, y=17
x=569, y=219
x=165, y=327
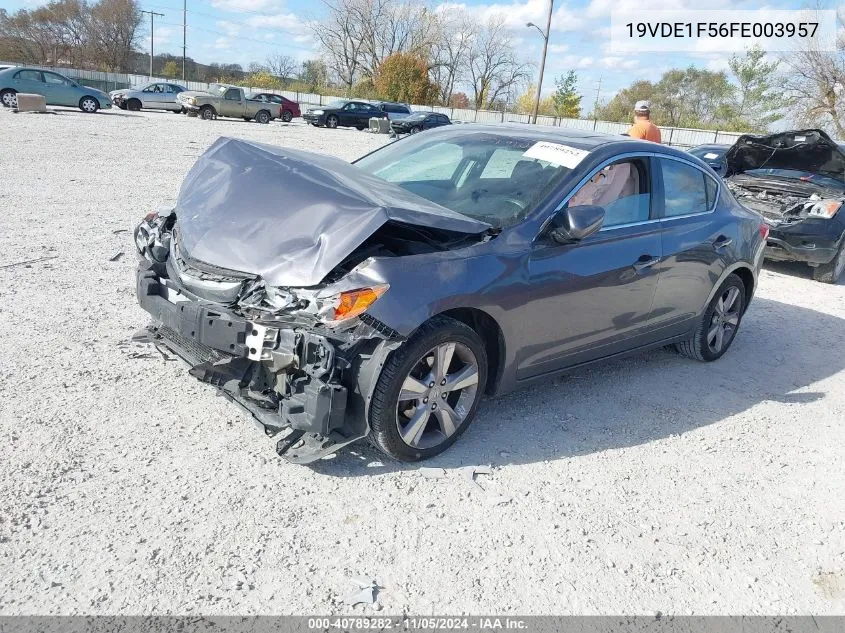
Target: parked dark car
x=796, y=179
x=381, y=299
x=418, y=122
x=355, y=114
x=288, y=109
x=712, y=154
x=394, y=111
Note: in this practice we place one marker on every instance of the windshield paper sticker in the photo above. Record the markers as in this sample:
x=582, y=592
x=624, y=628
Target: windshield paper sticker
x=556, y=154
x=711, y=155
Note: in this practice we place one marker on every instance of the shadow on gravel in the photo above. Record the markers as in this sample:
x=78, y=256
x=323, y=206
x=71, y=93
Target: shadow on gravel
x=781, y=350
x=796, y=269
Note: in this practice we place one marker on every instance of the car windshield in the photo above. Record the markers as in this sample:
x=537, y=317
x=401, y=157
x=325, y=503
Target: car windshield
x=336, y=105
x=217, y=89
x=418, y=116
x=796, y=174
x=708, y=153
x=482, y=175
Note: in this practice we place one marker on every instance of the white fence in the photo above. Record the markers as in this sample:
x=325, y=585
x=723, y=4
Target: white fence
x=681, y=137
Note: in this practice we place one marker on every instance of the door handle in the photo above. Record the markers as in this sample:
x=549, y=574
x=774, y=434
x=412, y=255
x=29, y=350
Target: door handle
x=721, y=242
x=645, y=262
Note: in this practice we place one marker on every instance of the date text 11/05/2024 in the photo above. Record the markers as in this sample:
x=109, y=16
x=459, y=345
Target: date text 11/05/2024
x=722, y=29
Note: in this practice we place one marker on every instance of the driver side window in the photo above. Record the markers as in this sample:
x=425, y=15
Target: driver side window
x=621, y=188
x=232, y=94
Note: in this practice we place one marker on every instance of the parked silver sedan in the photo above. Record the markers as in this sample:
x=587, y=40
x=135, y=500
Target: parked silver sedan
x=155, y=96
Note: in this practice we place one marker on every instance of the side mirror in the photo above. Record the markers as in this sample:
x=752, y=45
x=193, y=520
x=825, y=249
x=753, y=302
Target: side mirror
x=573, y=224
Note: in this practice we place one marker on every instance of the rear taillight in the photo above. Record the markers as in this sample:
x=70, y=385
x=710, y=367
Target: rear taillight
x=764, y=231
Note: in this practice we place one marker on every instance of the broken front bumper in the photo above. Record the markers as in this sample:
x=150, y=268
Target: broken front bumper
x=324, y=396
x=810, y=241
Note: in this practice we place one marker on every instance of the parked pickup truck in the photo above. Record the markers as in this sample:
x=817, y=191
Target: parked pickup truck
x=223, y=100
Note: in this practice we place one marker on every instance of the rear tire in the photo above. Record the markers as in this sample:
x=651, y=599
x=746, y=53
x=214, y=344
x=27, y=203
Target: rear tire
x=9, y=98
x=428, y=392
x=831, y=272
x=263, y=117
x=133, y=105
x=719, y=325
x=207, y=112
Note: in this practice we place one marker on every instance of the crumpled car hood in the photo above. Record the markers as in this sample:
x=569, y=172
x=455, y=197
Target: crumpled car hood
x=291, y=216
x=803, y=150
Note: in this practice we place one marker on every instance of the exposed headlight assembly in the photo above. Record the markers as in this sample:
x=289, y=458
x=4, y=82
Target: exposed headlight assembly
x=824, y=209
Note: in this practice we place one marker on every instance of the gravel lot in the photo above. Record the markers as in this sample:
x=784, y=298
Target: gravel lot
x=653, y=484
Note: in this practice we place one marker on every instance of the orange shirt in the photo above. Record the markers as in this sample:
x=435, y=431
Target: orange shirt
x=646, y=130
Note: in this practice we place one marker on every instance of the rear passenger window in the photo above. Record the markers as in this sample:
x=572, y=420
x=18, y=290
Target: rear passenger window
x=686, y=189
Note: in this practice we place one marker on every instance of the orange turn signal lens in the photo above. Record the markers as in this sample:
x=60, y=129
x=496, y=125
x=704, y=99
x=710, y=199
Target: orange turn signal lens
x=354, y=302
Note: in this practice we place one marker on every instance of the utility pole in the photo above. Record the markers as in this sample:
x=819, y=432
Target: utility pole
x=184, y=34
x=545, y=35
x=152, y=40
x=596, y=104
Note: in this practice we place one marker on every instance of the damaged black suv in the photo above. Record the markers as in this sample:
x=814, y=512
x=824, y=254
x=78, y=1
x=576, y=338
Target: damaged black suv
x=796, y=180
x=381, y=299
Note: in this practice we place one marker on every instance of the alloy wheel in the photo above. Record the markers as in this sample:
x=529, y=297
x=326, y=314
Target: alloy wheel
x=725, y=320
x=10, y=99
x=437, y=395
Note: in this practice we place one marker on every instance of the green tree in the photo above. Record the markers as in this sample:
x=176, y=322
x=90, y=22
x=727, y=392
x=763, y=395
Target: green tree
x=759, y=102
x=525, y=102
x=566, y=100
x=172, y=70
x=621, y=107
x=404, y=77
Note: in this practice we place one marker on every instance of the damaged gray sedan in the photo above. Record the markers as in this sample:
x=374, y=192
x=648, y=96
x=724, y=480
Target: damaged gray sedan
x=381, y=299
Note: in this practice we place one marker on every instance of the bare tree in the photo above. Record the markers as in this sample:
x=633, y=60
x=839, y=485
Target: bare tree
x=449, y=52
x=114, y=33
x=816, y=80
x=282, y=66
x=394, y=26
x=493, y=70
x=341, y=36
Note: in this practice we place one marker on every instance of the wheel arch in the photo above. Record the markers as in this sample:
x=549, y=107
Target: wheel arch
x=746, y=274
x=491, y=334
x=135, y=99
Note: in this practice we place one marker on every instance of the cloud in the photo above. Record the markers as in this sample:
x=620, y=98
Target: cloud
x=517, y=14
x=231, y=29
x=245, y=5
x=222, y=44
x=164, y=35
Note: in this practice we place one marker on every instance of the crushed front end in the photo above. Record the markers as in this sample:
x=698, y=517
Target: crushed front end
x=302, y=362
x=804, y=225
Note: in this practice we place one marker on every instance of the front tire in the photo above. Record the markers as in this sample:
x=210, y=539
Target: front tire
x=133, y=105
x=831, y=272
x=428, y=392
x=719, y=324
x=331, y=122
x=207, y=112
x=89, y=105
x=287, y=116
x=416, y=129
x=9, y=98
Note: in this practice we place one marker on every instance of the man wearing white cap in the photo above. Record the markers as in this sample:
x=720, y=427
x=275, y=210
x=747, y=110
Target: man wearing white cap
x=643, y=128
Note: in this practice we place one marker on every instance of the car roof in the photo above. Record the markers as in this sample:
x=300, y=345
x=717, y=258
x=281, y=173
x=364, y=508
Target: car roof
x=588, y=140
